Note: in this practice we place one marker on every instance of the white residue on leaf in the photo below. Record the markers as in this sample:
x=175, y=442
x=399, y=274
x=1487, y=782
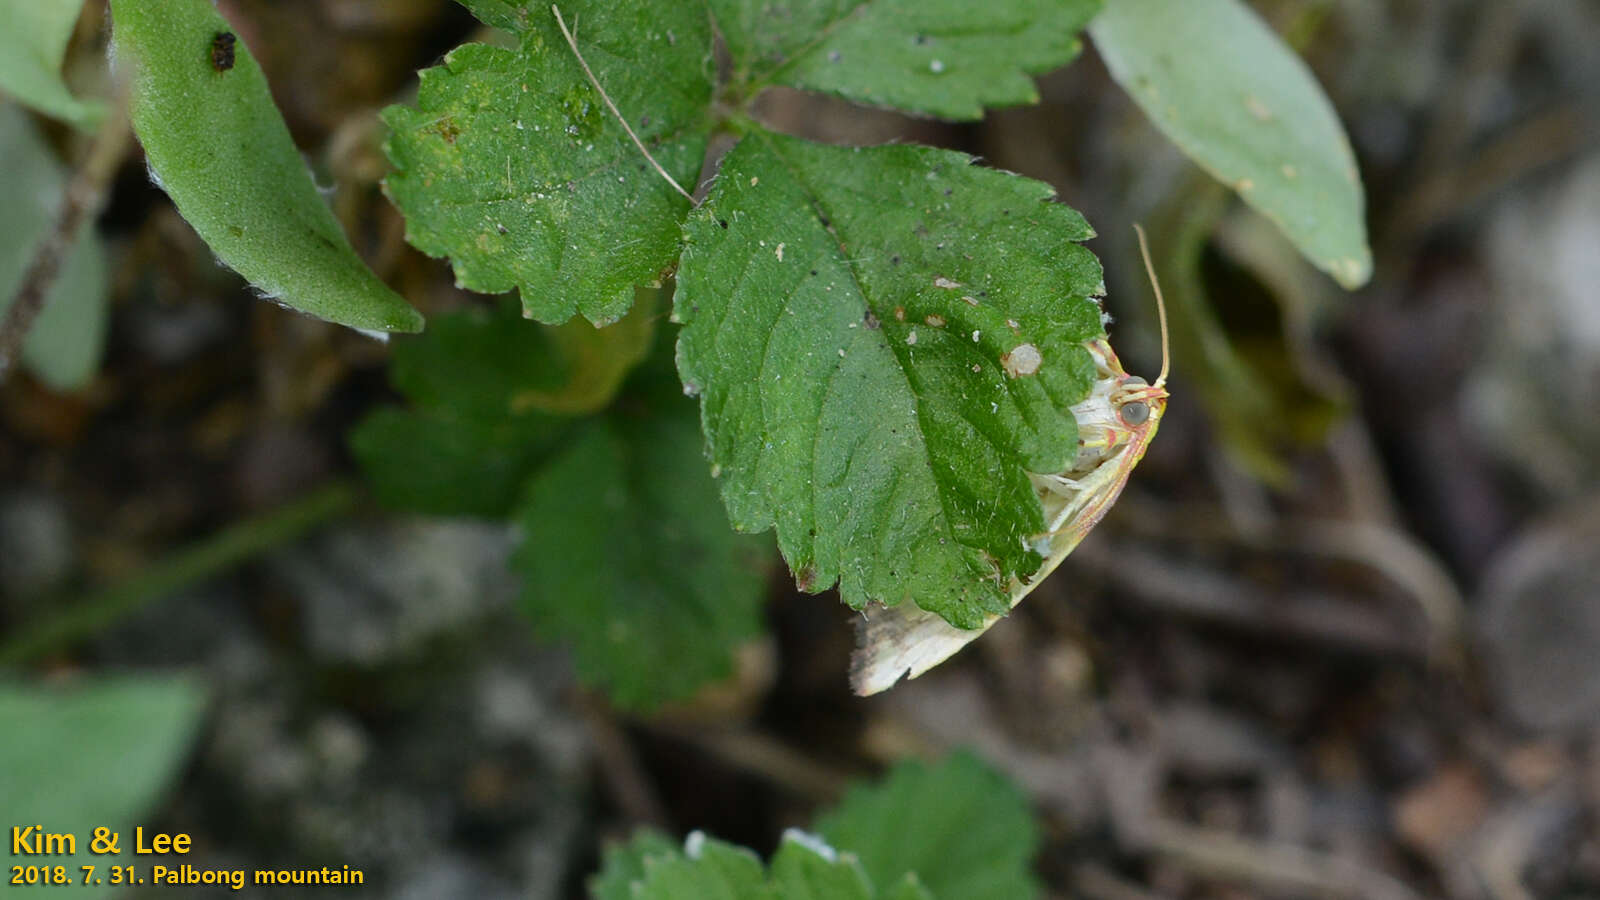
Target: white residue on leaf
x=780, y=252
x=946, y=283
x=912, y=337
x=936, y=66
x=694, y=844
x=935, y=320
x=1024, y=359
x=975, y=336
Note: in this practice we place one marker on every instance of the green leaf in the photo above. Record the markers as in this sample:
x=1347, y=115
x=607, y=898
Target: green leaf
x=217, y=145
x=708, y=869
x=483, y=382
x=1218, y=82
x=96, y=754
x=961, y=827
x=946, y=58
x=627, y=551
x=627, y=555
x=909, y=887
x=625, y=865
x=468, y=445
x=64, y=347
x=847, y=313
x=474, y=363
x=806, y=868
x=1236, y=356
x=596, y=360
x=512, y=166
x=33, y=43
x=434, y=463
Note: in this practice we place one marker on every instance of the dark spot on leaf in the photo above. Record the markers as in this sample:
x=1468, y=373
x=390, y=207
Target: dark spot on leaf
x=813, y=272
x=920, y=40
x=806, y=578
x=236, y=231
x=500, y=228
x=222, y=51
x=894, y=260
x=644, y=121
x=871, y=321
x=949, y=191
x=723, y=222
x=834, y=56
x=447, y=129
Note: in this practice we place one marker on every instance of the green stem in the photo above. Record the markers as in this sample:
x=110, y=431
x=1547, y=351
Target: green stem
x=239, y=542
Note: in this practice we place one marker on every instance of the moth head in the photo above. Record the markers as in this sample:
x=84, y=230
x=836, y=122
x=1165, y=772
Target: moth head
x=1138, y=402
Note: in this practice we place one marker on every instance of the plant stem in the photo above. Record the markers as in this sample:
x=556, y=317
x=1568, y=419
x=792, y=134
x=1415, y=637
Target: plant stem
x=235, y=544
x=84, y=197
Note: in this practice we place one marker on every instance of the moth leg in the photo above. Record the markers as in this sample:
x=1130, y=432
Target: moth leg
x=1060, y=485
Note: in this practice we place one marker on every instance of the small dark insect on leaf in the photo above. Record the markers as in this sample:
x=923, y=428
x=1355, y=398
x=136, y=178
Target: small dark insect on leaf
x=222, y=51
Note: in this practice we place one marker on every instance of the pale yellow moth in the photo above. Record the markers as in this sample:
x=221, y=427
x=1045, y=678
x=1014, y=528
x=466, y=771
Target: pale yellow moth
x=1115, y=425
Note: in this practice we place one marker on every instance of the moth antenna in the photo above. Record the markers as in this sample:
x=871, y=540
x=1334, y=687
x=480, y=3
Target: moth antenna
x=1161, y=305
x=573, y=43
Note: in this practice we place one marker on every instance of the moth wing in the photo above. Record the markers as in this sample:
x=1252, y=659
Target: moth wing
x=903, y=642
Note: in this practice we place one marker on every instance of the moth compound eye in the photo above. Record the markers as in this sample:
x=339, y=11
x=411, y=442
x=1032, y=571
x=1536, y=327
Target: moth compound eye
x=1135, y=413
x=1134, y=379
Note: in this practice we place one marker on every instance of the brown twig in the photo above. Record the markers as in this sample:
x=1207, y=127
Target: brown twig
x=84, y=197
x=630, y=786
x=762, y=754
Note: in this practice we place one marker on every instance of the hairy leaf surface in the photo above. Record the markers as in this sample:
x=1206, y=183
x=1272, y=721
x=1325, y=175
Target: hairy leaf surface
x=946, y=58
x=849, y=316
x=219, y=148
x=511, y=165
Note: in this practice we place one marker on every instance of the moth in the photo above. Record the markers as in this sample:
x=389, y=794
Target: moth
x=1116, y=423
x=222, y=51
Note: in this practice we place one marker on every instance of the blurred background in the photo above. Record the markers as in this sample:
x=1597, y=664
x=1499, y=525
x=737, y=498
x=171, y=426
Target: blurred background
x=1340, y=637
